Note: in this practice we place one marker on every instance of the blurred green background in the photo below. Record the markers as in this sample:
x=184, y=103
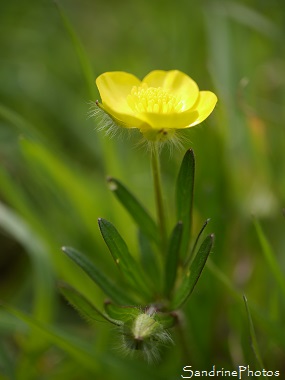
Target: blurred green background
x=54, y=165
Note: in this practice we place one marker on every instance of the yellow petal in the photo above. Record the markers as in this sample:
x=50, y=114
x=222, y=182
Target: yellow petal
x=126, y=120
x=178, y=83
x=201, y=110
x=204, y=107
x=169, y=120
x=114, y=88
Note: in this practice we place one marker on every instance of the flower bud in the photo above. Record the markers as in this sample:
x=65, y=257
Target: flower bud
x=145, y=335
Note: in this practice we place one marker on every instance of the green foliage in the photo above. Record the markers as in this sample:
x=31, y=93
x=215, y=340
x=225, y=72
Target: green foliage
x=270, y=258
x=184, y=197
x=136, y=210
x=192, y=273
x=123, y=259
x=253, y=339
x=84, y=307
x=96, y=275
x=142, y=332
x=79, y=350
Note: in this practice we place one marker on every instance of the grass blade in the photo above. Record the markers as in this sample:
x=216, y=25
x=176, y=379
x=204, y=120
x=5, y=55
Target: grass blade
x=16, y=120
x=38, y=251
x=271, y=327
x=253, y=339
x=135, y=209
x=75, y=186
x=80, y=51
x=184, y=197
x=80, y=351
x=95, y=274
x=270, y=257
x=192, y=274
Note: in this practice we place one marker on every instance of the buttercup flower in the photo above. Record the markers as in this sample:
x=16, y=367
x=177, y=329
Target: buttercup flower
x=160, y=104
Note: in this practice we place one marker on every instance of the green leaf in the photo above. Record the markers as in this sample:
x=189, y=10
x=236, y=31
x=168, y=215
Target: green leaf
x=253, y=339
x=193, y=250
x=270, y=257
x=38, y=251
x=82, y=352
x=149, y=261
x=87, y=310
x=191, y=276
x=18, y=121
x=270, y=326
x=135, y=209
x=121, y=313
x=80, y=51
x=172, y=258
x=95, y=274
x=120, y=252
x=184, y=197
x=77, y=189
x=224, y=280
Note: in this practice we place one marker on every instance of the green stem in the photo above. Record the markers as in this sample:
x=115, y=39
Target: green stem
x=183, y=340
x=158, y=197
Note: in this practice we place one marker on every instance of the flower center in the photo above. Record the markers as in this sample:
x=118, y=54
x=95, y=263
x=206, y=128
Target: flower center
x=154, y=100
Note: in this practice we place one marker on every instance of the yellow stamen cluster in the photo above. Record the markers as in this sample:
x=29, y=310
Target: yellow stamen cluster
x=154, y=100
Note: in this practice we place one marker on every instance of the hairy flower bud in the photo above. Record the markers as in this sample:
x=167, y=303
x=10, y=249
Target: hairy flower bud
x=145, y=335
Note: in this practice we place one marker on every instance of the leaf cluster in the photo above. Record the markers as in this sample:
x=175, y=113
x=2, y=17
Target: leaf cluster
x=156, y=280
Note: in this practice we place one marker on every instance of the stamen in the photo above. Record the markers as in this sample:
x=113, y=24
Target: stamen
x=154, y=100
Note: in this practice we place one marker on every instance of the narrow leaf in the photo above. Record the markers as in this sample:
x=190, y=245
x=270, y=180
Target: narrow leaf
x=172, y=258
x=79, y=350
x=253, y=339
x=270, y=326
x=80, y=51
x=123, y=258
x=38, y=250
x=184, y=197
x=224, y=280
x=122, y=313
x=191, y=276
x=149, y=261
x=87, y=310
x=18, y=121
x=95, y=274
x=193, y=250
x=135, y=209
x=270, y=257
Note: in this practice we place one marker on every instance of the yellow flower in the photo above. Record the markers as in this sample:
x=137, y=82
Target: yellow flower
x=161, y=103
